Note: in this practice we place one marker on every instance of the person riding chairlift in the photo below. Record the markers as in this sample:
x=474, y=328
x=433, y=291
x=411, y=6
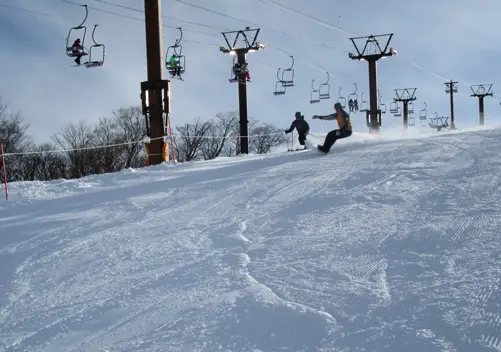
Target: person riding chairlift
x=77, y=50
x=174, y=66
x=241, y=70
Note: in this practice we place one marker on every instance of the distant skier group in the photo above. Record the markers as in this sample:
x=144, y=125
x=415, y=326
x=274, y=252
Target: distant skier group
x=303, y=128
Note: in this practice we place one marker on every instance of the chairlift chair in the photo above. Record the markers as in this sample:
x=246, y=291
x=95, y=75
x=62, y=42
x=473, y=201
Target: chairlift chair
x=364, y=106
x=394, y=108
x=398, y=113
x=382, y=106
x=176, y=51
x=240, y=76
x=70, y=41
x=288, y=81
x=280, y=89
x=410, y=107
x=354, y=96
x=423, y=115
x=92, y=62
x=341, y=100
x=325, y=88
x=315, y=94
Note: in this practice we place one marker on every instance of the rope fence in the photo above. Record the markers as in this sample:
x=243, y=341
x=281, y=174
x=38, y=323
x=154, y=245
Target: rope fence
x=144, y=140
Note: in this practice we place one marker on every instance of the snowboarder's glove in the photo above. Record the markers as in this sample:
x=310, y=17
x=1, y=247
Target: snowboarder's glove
x=315, y=117
x=286, y=132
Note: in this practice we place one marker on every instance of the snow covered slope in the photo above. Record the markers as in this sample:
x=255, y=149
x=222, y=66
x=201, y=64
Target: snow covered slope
x=390, y=245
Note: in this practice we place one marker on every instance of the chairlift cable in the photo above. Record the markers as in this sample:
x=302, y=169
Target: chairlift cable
x=163, y=16
x=138, y=19
x=24, y=10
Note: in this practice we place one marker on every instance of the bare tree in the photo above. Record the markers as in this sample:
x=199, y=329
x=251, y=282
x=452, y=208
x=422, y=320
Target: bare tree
x=76, y=139
x=266, y=137
x=44, y=165
x=131, y=127
x=107, y=156
x=219, y=135
x=191, y=137
x=14, y=139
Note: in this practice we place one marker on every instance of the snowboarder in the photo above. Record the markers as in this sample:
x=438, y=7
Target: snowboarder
x=351, y=105
x=345, y=128
x=302, y=127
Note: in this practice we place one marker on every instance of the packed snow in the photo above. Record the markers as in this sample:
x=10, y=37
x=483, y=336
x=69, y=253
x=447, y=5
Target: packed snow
x=391, y=244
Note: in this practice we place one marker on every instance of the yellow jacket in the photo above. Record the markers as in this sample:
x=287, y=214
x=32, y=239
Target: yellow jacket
x=343, y=120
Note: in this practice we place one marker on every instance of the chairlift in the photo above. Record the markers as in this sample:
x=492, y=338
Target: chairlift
x=280, y=89
x=341, y=100
x=315, y=94
x=410, y=107
x=394, y=108
x=74, y=51
x=364, y=106
x=289, y=82
x=175, y=61
x=325, y=92
x=423, y=115
x=354, y=96
x=398, y=113
x=95, y=63
x=382, y=106
x=238, y=74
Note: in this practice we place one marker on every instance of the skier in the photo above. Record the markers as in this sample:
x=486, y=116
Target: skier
x=345, y=129
x=301, y=126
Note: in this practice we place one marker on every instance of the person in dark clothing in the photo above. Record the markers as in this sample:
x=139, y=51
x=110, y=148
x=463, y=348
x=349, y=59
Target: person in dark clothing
x=77, y=51
x=301, y=126
x=344, y=123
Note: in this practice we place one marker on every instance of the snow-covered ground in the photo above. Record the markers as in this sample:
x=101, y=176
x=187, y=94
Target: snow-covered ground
x=382, y=245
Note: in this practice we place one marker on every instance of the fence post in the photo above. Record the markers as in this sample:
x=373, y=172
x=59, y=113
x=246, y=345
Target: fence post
x=4, y=172
x=173, y=151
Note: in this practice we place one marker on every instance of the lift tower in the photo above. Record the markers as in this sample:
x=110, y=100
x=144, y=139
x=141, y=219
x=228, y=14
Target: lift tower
x=481, y=91
x=250, y=44
x=372, y=52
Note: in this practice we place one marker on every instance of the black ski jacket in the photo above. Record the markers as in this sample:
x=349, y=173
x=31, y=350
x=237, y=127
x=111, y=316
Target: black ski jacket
x=300, y=125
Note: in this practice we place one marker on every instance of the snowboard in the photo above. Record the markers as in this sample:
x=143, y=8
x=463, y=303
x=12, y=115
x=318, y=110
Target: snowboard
x=314, y=147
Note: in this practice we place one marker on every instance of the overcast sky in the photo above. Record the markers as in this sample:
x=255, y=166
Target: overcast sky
x=449, y=39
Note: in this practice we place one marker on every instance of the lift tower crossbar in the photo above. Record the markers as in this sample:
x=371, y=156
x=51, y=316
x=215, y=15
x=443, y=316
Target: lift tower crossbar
x=405, y=96
x=481, y=91
x=372, y=52
x=250, y=44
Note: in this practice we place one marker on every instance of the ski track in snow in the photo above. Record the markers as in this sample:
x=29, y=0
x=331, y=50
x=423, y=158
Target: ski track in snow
x=389, y=245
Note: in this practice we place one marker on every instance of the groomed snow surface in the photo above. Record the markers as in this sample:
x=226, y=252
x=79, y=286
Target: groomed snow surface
x=382, y=245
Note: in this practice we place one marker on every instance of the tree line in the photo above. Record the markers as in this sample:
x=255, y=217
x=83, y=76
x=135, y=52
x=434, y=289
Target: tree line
x=85, y=155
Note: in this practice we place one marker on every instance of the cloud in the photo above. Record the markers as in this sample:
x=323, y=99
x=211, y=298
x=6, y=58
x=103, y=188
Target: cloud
x=452, y=39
